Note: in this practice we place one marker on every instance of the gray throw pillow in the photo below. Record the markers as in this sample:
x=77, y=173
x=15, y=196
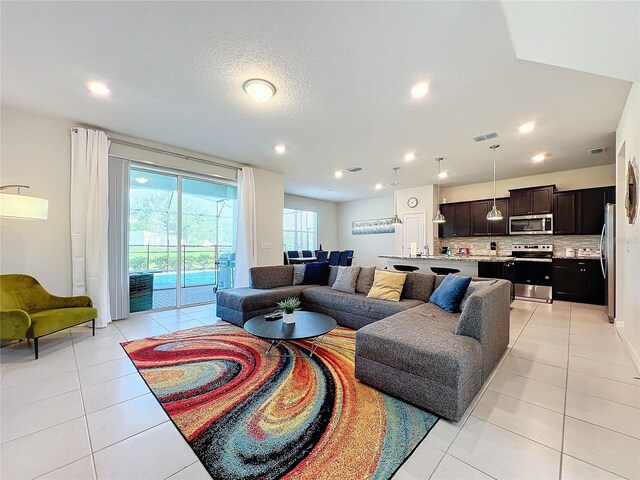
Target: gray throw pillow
x=365, y=279
x=333, y=273
x=346, y=279
x=473, y=288
x=298, y=274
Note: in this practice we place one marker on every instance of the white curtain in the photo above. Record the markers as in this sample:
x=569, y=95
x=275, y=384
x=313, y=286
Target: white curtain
x=246, y=241
x=119, y=169
x=90, y=218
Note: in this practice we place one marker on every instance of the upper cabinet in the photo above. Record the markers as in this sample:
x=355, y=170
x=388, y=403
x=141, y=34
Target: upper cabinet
x=480, y=226
x=531, y=201
x=458, y=220
x=581, y=212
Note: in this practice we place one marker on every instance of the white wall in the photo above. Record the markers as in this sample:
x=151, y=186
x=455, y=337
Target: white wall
x=269, y=207
x=36, y=151
x=327, y=217
x=600, y=176
x=366, y=247
x=628, y=236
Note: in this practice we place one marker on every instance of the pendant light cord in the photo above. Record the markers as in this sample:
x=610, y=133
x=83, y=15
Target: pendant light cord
x=493, y=147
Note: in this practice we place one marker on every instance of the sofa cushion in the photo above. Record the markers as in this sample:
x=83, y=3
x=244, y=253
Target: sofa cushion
x=271, y=277
x=421, y=341
x=346, y=279
x=365, y=279
x=419, y=286
x=356, y=303
x=47, y=321
x=298, y=274
x=387, y=285
x=475, y=286
x=316, y=273
x=251, y=299
x=450, y=292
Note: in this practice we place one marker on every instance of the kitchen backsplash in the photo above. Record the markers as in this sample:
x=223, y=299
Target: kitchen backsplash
x=480, y=245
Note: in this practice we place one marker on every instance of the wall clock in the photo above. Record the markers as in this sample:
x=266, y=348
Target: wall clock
x=412, y=202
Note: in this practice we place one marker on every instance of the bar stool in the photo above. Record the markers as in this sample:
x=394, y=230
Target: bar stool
x=406, y=268
x=444, y=270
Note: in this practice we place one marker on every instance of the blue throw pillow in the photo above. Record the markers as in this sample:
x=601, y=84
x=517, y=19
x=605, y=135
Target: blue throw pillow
x=450, y=292
x=316, y=273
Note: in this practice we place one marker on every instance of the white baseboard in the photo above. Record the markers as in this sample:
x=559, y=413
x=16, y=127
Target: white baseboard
x=635, y=358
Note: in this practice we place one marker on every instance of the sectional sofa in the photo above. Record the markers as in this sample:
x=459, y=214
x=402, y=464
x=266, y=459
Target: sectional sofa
x=409, y=348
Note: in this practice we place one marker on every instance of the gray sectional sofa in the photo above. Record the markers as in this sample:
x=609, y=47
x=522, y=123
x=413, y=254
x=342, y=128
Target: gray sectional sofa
x=409, y=348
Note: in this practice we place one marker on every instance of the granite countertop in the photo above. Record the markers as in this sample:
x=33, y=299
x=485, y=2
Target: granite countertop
x=576, y=258
x=452, y=258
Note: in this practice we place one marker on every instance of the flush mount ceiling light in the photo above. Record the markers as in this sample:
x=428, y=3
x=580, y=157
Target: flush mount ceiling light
x=22, y=206
x=281, y=148
x=259, y=90
x=494, y=214
x=410, y=156
x=395, y=220
x=98, y=88
x=539, y=157
x=141, y=180
x=419, y=90
x=338, y=173
x=439, y=217
x=527, y=127
x=378, y=186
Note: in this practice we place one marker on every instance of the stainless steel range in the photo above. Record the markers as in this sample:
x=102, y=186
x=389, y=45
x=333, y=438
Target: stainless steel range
x=533, y=272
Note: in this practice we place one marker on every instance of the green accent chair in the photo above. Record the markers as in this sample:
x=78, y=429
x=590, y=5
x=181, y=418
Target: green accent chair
x=27, y=310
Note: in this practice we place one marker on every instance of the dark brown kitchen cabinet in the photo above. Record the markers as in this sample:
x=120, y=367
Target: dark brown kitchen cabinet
x=564, y=218
x=531, y=201
x=458, y=220
x=480, y=226
x=581, y=212
x=578, y=280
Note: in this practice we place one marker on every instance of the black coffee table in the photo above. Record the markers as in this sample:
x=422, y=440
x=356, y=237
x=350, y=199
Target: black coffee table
x=308, y=325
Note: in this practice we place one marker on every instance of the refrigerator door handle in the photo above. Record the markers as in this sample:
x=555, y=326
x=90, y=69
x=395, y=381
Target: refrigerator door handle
x=604, y=275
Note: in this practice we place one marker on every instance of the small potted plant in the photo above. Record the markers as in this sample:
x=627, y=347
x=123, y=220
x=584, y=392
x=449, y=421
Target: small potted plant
x=289, y=306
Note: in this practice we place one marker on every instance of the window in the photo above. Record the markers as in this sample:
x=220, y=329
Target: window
x=300, y=230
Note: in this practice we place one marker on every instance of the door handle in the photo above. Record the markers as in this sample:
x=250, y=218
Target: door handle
x=604, y=275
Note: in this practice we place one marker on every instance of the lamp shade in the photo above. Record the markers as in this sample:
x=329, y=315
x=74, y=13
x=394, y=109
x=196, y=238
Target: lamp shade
x=396, y=220
x=439, y=217
x=494, y=214
x=23, y=206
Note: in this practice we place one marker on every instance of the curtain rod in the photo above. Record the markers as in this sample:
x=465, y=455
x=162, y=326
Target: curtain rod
x=167, y=152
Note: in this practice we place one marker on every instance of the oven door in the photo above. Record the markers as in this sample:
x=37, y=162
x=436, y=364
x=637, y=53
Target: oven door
x=531, y=225
x=533, y=271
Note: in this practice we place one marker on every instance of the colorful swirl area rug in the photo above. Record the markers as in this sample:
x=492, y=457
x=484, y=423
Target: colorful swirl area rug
x=251, y=415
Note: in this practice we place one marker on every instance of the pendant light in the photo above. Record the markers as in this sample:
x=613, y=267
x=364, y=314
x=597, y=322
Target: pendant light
x=439, y=217
x=395, y=220
x=494, y=214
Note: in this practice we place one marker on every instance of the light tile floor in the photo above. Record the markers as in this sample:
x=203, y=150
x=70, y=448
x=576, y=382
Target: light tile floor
x=564, y=403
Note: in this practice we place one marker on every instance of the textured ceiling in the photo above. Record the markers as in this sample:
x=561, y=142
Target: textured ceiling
x=343, y=73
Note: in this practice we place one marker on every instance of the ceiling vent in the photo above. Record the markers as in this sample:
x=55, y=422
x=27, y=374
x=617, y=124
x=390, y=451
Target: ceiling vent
x=595, y=151
x=353, y=169
x=486, y=136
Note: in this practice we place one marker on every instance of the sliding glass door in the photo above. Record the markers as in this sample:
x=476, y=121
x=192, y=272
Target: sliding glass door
x=181, y=239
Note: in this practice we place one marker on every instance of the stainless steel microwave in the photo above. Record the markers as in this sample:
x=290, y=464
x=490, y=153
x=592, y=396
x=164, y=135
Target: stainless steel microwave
x=531, y=224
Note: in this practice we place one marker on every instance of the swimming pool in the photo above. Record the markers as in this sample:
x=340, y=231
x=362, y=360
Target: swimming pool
x=189, y=278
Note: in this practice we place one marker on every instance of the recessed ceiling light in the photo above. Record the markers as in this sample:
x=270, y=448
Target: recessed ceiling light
x=142, y=180
x=409, y=156
x=338, y=173
x=98, y=88
x=259, y=90
x=443, y=174
x=539, y=157
x=527, y=127
x=281, y=148
x=378, y=186
x=419, y=90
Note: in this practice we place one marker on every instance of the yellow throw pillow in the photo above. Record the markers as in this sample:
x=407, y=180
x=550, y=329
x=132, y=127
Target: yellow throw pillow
x=387, y=285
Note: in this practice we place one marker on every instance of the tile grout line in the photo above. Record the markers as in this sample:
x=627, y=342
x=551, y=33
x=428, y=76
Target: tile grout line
x=566, y=394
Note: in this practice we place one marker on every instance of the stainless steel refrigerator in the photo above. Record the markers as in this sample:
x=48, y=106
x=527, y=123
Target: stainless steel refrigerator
x=608, y=259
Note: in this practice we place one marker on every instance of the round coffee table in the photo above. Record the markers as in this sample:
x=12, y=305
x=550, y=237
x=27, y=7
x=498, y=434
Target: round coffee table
x=308, y=325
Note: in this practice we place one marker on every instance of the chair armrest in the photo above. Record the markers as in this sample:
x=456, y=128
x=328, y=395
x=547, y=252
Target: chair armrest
x=69, y=302
x=14, y=324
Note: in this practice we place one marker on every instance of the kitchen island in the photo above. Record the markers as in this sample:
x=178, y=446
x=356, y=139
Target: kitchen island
x=467, y=264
